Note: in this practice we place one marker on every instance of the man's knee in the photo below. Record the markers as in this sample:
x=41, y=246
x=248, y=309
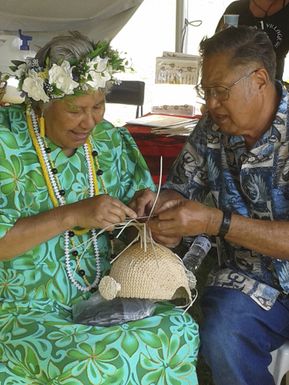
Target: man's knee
x=224, y=327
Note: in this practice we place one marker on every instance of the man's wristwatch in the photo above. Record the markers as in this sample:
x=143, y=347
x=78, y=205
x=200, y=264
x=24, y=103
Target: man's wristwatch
x=225, y=225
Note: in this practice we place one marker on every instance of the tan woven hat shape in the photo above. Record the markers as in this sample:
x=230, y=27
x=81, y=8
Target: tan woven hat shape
x=153, y=272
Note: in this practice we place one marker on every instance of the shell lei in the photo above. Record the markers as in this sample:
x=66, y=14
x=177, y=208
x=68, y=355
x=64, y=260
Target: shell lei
x=58, y=199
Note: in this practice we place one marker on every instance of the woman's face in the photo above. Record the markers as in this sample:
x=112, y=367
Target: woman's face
x=69, y=121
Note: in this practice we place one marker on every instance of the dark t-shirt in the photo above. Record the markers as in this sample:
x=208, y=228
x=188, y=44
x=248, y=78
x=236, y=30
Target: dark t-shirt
x=276, y=26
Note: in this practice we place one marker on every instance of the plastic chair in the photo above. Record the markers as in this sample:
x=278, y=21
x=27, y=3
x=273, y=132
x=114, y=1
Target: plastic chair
x=128, y=92
x=280, y=364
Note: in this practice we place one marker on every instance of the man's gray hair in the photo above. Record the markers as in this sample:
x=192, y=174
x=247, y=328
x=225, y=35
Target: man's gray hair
x=246, y=45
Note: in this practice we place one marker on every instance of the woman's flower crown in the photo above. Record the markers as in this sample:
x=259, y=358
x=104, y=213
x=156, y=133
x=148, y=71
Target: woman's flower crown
x=68, y=78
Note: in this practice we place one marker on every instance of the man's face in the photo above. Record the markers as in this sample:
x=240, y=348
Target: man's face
x=231, y=94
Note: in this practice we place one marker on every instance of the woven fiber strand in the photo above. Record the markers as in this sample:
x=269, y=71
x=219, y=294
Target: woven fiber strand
x=2, y=92
x=155, y=273
x=3, y=85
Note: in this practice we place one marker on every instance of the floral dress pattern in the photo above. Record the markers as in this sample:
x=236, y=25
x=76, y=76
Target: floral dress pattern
x=39, y=343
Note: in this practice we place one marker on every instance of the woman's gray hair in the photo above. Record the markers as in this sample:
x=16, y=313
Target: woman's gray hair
x=246, y=45
x=71, y=47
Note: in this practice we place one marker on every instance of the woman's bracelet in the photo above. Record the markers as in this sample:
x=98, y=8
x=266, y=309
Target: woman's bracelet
x=225, y=225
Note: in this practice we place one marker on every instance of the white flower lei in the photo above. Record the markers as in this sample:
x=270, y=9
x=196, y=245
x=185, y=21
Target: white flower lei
x=58, y=80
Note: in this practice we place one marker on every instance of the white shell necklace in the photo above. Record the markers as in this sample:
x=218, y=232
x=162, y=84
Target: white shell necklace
x=58, y=199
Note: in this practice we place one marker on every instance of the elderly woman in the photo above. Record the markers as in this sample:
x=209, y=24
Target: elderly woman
x=66, y=173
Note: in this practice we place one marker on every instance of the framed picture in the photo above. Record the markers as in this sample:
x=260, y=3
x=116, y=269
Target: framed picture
x=177, y=68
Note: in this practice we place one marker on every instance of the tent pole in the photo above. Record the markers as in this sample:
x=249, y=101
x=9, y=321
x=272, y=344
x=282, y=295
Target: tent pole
x=181, y=15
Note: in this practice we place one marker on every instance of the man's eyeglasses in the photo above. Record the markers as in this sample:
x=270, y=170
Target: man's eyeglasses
x=220, y=93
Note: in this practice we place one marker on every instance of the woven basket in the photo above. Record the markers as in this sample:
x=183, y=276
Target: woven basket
x=151, y=272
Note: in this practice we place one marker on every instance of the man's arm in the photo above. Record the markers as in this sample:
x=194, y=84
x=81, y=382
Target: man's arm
x=189, y=218
x=266, y=237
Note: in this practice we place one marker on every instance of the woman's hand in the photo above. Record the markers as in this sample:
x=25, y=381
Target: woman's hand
x=101, y=211
x=142, y=202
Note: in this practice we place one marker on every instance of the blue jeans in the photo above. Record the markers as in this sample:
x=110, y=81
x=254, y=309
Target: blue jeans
x=237, y=336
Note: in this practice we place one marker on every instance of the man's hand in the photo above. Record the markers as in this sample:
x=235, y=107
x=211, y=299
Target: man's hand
x=178, y=218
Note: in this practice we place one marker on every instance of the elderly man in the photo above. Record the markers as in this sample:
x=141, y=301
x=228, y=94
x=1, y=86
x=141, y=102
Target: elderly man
x=239, y=152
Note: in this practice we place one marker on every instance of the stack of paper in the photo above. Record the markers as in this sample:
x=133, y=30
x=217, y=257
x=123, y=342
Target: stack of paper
x=167, y=124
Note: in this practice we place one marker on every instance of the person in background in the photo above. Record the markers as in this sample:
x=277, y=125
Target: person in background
x=65, y=174
x=239, y=153
x=272, y=16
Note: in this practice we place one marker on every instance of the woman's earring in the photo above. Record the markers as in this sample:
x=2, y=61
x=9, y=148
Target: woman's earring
x=42, y=126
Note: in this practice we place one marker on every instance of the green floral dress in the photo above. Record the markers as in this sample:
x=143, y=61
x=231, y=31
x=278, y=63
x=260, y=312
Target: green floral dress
x=39, y=343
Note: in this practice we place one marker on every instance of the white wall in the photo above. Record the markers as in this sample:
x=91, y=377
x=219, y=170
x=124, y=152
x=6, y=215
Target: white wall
x=151, y=31
x=209, y=12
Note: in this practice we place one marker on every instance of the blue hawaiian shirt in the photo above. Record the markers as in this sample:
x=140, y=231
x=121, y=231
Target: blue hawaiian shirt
x=253, y=183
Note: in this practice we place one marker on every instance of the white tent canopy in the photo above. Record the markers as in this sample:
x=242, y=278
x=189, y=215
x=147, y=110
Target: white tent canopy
x=101, y=18
x=42, y=19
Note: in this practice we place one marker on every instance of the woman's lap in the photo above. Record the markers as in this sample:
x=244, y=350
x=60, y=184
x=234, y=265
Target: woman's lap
x=45, y=348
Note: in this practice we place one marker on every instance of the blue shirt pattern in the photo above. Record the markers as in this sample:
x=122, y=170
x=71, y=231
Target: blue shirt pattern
x=253, y=183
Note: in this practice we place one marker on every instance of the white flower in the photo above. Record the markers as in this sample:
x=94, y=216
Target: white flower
x=61, y=76
x=99, y=72
x=98, y=79
x=98, y=64
x=33, y=85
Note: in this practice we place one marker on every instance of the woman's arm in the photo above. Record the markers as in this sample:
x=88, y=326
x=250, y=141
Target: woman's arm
x=31, y=231
x=101, y=211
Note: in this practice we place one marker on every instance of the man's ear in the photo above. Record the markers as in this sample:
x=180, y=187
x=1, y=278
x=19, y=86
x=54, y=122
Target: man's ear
x=262, y=78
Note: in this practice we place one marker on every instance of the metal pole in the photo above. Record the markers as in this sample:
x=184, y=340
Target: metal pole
x=181, y=14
